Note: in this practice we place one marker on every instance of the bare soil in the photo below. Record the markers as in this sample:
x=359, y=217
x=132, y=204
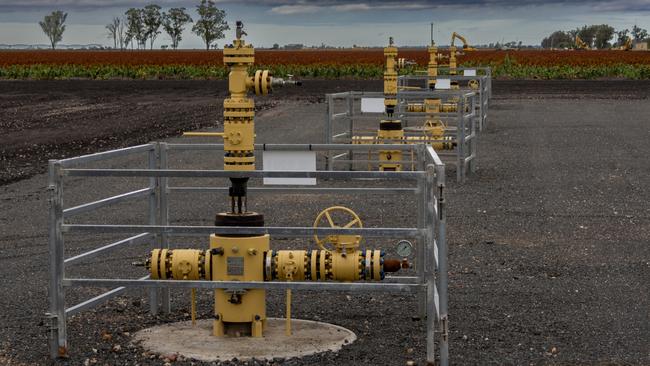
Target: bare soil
x=549, y=255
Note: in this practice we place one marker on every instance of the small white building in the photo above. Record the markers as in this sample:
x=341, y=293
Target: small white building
x=640, y=46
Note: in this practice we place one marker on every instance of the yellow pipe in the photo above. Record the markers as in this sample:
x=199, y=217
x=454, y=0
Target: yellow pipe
x=204, y=134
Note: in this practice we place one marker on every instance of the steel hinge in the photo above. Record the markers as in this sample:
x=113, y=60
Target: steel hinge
x=52, y=320
x=441, y=202
x=444, y=325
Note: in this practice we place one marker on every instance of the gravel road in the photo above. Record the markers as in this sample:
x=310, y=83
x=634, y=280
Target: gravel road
x=549, y=255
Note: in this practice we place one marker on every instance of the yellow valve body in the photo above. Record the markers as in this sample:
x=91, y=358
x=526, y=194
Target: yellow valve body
x=242, y=260
x=386, y=157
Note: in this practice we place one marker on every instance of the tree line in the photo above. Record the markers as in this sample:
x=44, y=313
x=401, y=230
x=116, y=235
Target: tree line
x=140, y=27
x=594, y=36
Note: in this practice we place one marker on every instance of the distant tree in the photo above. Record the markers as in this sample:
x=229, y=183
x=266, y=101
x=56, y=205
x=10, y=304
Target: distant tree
x=559, y=39
x=604, y=34
x=152, y=19
x=588, y=34
x=622, y=36
x=174, y=23
x=128, y=39
x=276, y=46
x=211, y=24
x=639, y=33
x=53, y=26
x=113, y=29
x=121, y=33
x=573, y=33
x=135, y=29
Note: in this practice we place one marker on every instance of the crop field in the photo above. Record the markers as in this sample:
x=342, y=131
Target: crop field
x=352, y=63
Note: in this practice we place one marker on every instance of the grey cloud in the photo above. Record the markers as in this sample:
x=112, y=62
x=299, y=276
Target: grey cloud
x=625, y=5
x=304, y=6
x=27, y=5
x=633, y=5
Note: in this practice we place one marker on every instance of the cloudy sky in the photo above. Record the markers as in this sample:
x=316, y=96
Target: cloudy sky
x=340, y=22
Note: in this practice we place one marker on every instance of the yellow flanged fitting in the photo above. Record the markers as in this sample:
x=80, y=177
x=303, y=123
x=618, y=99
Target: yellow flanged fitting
x=179, y=264
x=291, y=264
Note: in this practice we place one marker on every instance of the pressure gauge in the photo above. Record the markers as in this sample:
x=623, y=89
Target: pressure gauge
x=404, y=248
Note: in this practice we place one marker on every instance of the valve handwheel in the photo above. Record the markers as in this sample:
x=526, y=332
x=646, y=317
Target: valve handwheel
x=338, y=241
x=429, y=127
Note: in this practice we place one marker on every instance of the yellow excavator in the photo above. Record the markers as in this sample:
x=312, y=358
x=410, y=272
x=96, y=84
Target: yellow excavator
x=627, y=45
x=580, y=44
x=466, y=46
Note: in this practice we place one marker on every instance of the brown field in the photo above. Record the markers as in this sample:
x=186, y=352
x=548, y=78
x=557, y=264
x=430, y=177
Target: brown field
x=318, y=57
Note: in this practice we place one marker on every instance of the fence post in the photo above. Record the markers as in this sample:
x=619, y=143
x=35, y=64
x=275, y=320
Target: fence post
x=328, y=130
x=56, y=315
x=350, y=128
x=154, y=155
x=164, y=218
x=442, y=268
x=423, y=241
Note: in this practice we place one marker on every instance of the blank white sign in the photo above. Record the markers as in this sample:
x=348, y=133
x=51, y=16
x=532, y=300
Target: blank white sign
x=294, y=161
x=469, y=72
x=372, y=105
x=443, y=83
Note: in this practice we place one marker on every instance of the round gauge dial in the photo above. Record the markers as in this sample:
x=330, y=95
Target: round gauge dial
x=404, y=248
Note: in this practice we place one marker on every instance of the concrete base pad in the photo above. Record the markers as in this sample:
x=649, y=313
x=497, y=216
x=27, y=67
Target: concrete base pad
x=309, y=337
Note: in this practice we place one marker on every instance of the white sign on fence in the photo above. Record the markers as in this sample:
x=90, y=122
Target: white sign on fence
x=469, y=72
x=294, y=161
x=443, y=83
x=372, y=105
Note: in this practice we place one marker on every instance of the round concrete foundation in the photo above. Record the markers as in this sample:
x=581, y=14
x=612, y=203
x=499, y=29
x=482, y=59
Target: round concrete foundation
x=308, y=338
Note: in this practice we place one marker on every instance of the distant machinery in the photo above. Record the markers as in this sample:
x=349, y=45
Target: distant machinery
x=580, y=44
x=627, y=45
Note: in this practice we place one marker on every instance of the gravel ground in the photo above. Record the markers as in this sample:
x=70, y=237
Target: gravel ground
x=549, y=256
